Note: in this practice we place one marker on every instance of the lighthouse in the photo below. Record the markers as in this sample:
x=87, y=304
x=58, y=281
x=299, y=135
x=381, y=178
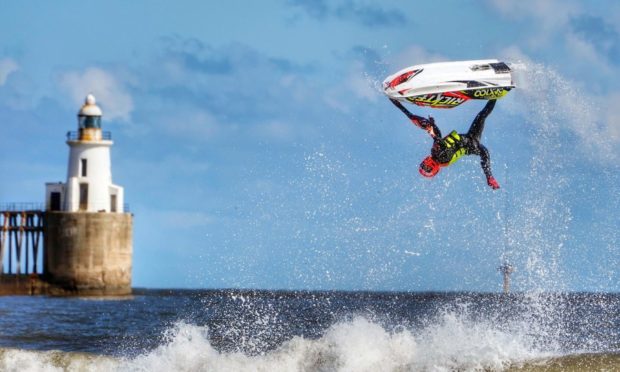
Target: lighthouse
x=89, y=186
x=87, y=231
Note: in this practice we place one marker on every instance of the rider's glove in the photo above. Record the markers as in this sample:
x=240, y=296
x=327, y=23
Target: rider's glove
x=491, y=181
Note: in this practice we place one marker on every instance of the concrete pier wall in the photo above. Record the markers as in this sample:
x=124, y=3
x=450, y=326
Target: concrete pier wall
x=89, y=253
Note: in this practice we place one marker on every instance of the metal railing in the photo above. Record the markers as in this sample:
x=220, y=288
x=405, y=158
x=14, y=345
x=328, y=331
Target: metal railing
x=28, y=206
x=75, y=136
x=18, y=207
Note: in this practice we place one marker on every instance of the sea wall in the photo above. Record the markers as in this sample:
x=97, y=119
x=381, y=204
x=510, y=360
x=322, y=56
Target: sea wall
x=88, y=253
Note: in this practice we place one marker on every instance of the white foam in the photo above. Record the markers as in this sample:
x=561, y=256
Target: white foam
x=14, y=360
x=452, y=342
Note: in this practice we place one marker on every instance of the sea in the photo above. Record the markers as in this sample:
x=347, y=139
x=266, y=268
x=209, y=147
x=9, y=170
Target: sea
x=247, y=330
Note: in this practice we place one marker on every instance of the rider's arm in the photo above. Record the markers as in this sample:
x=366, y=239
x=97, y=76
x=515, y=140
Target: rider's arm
x=485, y=162
x=424, y=123
x=486, y=110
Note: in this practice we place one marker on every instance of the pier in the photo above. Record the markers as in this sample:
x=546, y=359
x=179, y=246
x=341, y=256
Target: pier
x=22, y=253
x=21, y=231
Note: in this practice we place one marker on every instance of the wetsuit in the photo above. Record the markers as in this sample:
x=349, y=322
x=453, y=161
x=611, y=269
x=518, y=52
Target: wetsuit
x=447, y=150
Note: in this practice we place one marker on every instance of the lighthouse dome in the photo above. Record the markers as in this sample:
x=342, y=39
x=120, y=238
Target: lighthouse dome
x=89, y=115
x=90, y=107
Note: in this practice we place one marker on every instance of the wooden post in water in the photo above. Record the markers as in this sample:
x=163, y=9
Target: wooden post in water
x=3, y=230
x=20, y=240
x=28, y=218
x=37, y=230
x=11, y=240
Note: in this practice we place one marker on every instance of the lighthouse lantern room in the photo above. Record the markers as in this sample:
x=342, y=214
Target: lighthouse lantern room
x=89, y=186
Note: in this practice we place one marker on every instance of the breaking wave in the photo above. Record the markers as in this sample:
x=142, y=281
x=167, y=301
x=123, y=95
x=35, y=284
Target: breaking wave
x=354, y=345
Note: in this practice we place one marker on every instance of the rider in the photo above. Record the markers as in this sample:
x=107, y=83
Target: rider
x=449, y=149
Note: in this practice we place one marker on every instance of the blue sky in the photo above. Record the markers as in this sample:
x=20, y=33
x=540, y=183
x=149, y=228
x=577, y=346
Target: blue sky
x=257, y=151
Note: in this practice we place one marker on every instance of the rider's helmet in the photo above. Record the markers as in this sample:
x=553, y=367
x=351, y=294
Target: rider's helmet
x=429, y=167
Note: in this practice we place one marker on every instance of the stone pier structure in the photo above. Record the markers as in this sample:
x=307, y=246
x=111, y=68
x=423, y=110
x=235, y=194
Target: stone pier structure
x=89, y=253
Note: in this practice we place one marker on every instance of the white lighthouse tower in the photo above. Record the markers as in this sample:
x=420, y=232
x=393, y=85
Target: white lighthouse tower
x=89, y=186
x=87, y=233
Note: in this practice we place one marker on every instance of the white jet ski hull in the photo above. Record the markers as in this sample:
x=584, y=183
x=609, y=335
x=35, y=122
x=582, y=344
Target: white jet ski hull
x=449, y=84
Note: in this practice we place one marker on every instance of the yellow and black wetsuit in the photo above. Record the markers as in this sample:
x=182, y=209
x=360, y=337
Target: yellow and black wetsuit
x=446, y=150
x=449, y=149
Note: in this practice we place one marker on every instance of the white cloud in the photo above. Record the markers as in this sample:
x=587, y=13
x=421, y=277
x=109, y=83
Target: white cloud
x=7, y=67
x=358, y=84
x=296, y=88
x=548, y=17
x=362, y=85
x=612, y=118
x=335, y=100
x=275, y=130
x=188, y=123
x=514, y=53
x=111, y=94
x=586, y=54
x=552, y=12
x=414, y=55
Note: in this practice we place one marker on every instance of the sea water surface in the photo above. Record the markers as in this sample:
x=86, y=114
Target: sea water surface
x=234, y=330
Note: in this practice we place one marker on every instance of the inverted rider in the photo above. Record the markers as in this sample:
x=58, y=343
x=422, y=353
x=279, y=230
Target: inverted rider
x=447, y=150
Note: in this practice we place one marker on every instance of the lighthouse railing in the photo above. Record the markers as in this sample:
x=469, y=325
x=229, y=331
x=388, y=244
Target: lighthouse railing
x=75, y=136
x=16, y=207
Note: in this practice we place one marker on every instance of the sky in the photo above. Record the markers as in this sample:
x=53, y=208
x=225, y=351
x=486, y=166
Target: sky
x=257, y=150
